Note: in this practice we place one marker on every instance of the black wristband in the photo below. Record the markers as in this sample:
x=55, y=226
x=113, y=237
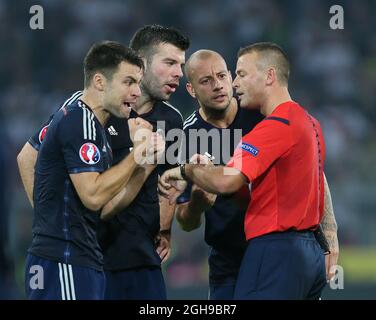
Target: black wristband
x=321, y=239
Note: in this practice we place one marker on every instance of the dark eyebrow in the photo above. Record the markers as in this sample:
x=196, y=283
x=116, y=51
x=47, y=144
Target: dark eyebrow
x=170, y=59
x=174, y=61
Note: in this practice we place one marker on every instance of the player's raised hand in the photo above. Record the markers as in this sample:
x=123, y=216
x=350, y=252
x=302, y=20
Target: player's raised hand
x=156, y=148
x=139, y=130
x=171, y=184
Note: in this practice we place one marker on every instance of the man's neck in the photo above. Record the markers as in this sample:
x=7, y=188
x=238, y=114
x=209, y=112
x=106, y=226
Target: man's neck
x=91, y=99
x=144, y=104
x=220, y=119
x=278, y=97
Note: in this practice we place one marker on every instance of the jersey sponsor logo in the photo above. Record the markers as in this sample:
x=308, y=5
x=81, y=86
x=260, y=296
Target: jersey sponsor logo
x=89, y=153
x=112, y=131
x=250, y=149
x=42, y=133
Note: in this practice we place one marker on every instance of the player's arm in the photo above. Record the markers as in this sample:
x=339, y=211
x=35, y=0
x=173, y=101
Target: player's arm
x=125, y=197
x=189, y=214
x=166, y=214
x=166, y=207
x=329, y=226
x=96, y=189
x=95, y=184
x=26, y=160
x=163, y=239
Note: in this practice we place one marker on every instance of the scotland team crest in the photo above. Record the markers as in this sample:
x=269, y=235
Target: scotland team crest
x=42, y=133
x=89, y=153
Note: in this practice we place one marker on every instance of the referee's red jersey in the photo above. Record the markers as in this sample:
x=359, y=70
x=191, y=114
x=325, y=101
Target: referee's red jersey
x=283, y=157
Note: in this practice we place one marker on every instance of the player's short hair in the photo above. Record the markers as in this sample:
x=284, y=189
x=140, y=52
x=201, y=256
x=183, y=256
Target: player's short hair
x=146, y=39
x=269, y=54
x=105, y=57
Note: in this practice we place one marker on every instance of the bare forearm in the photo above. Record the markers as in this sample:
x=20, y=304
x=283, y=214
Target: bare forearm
x=26, y=160
x=125, y=197
x=189, y=214
x=166, y=213
x=135, y=184
x=112, y=181
x=329, y=226
x=217, y=180
x=96, y=190
x=328, y=222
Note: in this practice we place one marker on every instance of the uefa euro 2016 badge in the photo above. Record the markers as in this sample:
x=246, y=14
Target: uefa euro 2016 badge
x=89, y=153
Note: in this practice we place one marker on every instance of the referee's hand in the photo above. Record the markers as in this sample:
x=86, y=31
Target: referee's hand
x=331, y=259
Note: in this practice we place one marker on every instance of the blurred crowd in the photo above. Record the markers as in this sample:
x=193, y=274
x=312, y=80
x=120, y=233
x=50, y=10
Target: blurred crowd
x=333, y=75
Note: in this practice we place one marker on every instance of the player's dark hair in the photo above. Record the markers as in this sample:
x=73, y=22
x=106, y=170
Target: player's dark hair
x=275, y=54
x=148, y=37
x=105, y=57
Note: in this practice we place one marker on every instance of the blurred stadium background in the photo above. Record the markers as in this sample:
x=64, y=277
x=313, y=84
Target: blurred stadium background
x=333, y=75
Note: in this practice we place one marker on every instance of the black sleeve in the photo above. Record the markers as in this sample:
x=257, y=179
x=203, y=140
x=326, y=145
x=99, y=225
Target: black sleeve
x=36, y=139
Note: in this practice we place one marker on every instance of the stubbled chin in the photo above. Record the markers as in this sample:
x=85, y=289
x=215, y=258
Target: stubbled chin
x=124, y=112
x=166, y=95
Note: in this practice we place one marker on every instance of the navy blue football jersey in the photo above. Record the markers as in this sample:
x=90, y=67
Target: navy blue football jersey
x=128, y=239
x=36, y=139
x=224, y=221
x=64, y=230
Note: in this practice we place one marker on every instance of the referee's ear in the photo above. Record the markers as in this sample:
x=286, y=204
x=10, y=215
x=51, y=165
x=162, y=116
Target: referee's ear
x=190, y=90
x=271, y=76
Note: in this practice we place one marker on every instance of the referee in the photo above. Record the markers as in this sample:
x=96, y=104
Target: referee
x=283, y=157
